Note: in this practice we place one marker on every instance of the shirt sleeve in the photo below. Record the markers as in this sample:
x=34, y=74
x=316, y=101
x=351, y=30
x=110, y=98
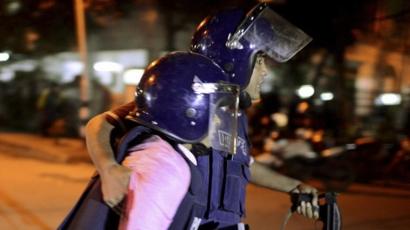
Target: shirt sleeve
x=159, y=181
x=116, y=116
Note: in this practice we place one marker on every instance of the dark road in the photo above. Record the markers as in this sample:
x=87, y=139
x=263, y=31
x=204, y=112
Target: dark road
x=37, y=195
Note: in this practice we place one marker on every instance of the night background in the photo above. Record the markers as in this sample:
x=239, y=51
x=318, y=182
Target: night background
x=337, y=115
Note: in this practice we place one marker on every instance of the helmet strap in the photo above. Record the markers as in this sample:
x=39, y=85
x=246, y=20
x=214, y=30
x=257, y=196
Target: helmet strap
x=245, y=100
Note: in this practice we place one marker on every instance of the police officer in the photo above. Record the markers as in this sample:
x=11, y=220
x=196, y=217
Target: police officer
x=239, y=43
x=183, y=98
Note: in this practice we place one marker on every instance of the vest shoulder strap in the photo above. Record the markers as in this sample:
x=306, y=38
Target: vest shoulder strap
x=132, y=137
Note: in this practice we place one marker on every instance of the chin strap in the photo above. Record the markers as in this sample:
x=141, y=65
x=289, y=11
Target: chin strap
x=199, y=149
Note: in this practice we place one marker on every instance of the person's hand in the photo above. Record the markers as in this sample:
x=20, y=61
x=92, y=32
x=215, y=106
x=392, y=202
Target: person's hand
x=115, y=180
x=308, y=209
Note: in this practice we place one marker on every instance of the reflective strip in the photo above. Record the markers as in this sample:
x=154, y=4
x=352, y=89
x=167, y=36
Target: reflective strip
x=195, y=223
x=188, y=154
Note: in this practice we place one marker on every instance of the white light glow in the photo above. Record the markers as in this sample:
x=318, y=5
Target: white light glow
x=305, y=91
x=105, y=78
x=107, y=66
x=205, y=88
x=326, y=96
x=25, y=66
x=13, y=7
x=4, y=56
x=69, y=70
x=132, y=76
x=6, y=75
x=280, y=119
x=388, y=99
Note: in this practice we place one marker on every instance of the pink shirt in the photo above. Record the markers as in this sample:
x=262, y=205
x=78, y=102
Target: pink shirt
x=159, y=182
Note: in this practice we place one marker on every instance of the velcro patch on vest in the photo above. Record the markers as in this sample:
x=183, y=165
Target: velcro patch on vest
x=225, y=141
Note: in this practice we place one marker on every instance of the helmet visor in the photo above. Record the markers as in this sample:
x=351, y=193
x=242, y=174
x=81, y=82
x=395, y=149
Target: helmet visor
x=266, y=31
x=223, y=116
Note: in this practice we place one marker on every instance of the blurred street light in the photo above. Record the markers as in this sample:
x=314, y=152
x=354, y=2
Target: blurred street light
x=107, y=66
x=132, y=76
x=13, y=7
x=388, y=99
x=326, y=96
x=4, y=56
x=305, y=91
x=6, y=75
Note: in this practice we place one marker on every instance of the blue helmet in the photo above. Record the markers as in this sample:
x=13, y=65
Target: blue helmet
x=175, y=93
x=210, y=37
x=232, y=39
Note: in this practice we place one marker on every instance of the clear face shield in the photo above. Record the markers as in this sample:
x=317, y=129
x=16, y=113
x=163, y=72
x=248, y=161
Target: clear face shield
x=223, y=115
x=266, y=31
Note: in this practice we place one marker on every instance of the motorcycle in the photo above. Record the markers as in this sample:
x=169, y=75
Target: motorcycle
x=296, y=158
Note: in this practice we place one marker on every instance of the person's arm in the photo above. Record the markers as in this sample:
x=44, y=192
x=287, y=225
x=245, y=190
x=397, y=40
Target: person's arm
x=265, y=177
x=114, y=177
x=97, y=136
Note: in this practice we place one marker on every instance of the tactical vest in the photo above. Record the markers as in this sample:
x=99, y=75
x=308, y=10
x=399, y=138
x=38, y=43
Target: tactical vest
x=90, y=211
x=224, y=182
x=216, y=194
